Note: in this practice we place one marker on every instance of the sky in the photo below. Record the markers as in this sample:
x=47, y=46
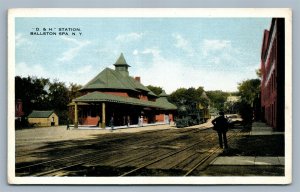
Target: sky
x=172, y=53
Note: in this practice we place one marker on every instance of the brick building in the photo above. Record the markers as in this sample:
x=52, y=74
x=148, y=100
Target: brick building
x=114, y=93
x=19, y=113
x=273, y=74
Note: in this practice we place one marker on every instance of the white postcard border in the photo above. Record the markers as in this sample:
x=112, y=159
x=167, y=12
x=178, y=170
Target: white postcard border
x=156, y=12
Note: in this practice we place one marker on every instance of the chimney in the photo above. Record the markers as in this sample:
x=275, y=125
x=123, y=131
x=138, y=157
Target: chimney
x=138, y=79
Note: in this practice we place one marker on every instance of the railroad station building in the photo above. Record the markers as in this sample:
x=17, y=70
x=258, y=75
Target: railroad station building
x=114, y=94
x=272, y=70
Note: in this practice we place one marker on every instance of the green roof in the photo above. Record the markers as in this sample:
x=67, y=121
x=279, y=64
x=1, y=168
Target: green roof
x=79, y=103
x=40, y=114
x=137, y=85
x=163, y=101
x=116, y=80
x=152, y=94
x=163, y=94
x=103, y=97
x=121, y=61
x=111, y=79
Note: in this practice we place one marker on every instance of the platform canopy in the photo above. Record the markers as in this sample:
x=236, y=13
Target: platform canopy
x=163, y=101
x=103, y=97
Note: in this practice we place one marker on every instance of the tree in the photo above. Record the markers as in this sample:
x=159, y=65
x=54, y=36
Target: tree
x=74, y=91
x=32, y=92
x=188, y=96
x=217, y=98
x=258, y=73
x=249, y=90
x=59, y=100
x=58, y=95
x=42, y=94
x=231, y=107
x=177, y=96
x=155, y=90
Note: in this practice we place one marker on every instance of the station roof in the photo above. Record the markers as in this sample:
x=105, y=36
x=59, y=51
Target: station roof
x=116, y=80
x=111, y=79
x=97, y=96
x=162, y=101
x=163, y=94
x=40, y=114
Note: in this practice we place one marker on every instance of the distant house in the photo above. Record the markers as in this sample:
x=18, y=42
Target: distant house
x=233, y=99
x=43, y=118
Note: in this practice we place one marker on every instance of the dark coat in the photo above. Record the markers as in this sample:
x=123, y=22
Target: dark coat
x=220, y=124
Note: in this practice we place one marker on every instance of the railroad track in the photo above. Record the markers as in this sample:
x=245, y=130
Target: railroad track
x=214, y=151
x=55, y=165
x=162, y=157
x=87, y=143
x=104, y=139
x=110, y=139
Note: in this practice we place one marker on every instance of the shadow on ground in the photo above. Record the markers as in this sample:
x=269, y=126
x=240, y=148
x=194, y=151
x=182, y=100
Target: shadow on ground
x=250, y=145
x=256, y=145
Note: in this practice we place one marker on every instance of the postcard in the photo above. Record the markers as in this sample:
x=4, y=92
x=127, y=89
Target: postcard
x=150, y=96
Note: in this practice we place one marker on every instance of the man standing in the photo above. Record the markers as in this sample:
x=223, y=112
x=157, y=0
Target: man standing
x=221, y=126
x=68, y=124
x=111, y=122
x=141, y=120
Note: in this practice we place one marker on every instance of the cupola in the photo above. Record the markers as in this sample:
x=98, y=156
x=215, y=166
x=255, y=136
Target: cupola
x=121, y=65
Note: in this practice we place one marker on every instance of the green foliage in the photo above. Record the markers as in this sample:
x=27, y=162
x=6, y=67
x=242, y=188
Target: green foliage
x=63, y=116
x=32, y=92
x=58, y=96
x=187, y=101
x=74, y=91
x=258, y=73
x=178, y=96
x=154, y=89
x=22, y=123
x=188, y=97
x=231, y=107
x=41, y=94
x=249, y=90
x=217, y=99
x=246, y=112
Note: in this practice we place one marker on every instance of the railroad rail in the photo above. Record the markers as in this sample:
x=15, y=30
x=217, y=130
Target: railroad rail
x=72, y=160
x=56, y=166
x=214, y=152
